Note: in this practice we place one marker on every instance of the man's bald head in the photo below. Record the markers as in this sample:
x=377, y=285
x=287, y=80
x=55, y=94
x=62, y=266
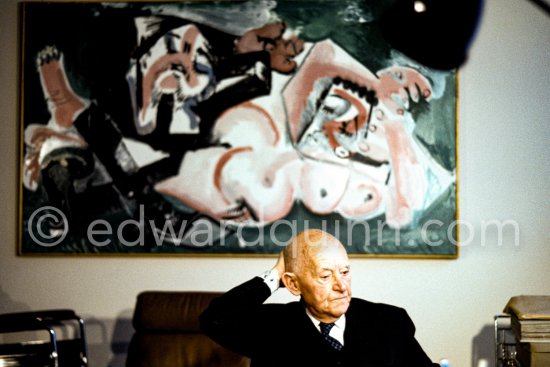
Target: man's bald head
x=317, y=269
x=304, y=246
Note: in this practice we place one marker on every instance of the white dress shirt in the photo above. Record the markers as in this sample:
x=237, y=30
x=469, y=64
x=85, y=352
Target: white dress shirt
x=271, y=278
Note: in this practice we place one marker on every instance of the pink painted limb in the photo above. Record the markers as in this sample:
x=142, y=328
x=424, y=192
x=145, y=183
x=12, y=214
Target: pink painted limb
x=247, y=124
x=398, y=85
x=63, y=103
x=408, y=182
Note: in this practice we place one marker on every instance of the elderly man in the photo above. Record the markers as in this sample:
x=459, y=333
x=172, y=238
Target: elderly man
x=326, y=328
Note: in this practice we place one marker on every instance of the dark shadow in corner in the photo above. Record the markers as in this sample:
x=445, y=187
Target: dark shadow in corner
x=109, y=350
x=97, y=338
x=122, y=334
x=483, y=346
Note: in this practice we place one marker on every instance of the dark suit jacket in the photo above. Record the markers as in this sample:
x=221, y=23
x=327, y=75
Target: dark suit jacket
x=283, y=335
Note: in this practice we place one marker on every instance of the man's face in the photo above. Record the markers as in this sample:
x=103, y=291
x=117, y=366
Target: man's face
x=325, y=283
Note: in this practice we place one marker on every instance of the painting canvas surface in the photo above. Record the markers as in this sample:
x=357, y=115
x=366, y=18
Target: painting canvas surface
x=222, y=128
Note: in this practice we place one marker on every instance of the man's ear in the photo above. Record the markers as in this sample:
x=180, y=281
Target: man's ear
x=290, y=280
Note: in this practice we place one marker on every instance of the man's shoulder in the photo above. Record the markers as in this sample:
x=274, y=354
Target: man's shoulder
x=381, y=319
x=374, y=309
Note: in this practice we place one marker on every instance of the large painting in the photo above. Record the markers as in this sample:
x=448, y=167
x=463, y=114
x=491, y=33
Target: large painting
x=223, y=128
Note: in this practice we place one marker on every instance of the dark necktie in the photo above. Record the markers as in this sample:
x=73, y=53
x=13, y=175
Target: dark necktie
x=325, y=330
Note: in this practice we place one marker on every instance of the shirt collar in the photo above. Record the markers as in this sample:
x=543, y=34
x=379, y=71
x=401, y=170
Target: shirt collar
x=340, y=323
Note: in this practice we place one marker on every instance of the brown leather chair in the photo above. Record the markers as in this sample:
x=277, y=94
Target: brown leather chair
x=167, y=333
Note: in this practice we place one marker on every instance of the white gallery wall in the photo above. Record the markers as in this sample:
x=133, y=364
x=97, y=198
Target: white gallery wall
x=504, y=176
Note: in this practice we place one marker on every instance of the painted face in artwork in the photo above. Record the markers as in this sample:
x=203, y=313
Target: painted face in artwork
x=342, y=126
x=177, y=68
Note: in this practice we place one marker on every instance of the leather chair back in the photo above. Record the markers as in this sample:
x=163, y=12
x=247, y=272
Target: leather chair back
x=167, y=333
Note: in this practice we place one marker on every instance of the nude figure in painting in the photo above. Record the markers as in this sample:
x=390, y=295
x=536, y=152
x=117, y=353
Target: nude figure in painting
x=179, y=65
x=337, y=139
x=333, y=135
